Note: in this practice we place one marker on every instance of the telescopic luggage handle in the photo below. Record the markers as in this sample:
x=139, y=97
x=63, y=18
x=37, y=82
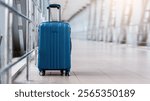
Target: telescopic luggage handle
x=54, y=6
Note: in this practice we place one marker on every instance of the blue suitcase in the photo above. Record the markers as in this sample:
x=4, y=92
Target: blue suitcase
x=54, y=52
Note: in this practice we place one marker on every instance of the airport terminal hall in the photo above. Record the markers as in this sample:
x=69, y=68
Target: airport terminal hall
x=74, y=41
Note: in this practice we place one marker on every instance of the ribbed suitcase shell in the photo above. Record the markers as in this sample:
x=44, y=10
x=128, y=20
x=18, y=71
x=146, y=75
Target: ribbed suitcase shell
x=54, y=46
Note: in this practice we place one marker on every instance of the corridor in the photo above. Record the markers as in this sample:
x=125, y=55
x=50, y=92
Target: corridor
x=98, y=63
x=110, y=41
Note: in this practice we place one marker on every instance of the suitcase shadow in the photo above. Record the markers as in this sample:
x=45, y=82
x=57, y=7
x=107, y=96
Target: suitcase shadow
x=53, y=74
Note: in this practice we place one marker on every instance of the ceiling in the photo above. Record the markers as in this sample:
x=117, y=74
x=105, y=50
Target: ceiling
x=70, y=7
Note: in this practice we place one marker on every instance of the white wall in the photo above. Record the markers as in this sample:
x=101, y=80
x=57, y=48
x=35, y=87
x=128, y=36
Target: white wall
x=79, y=25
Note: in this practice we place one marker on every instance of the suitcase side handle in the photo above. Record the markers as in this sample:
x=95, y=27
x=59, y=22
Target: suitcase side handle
x=54, y=6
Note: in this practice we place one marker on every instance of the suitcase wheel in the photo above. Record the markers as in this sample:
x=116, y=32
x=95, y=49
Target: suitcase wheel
x=42, y=73
x=62, y=72
x=67, y=73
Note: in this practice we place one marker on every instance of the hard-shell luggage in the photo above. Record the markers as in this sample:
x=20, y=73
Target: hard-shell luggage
x=54, y=52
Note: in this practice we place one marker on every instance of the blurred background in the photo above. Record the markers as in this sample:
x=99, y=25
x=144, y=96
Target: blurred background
x=110, y=36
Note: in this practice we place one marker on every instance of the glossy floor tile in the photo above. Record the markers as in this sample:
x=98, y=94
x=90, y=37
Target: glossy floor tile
x=99, y=63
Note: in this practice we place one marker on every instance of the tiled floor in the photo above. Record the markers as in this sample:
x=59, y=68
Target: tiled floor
x=99, y=63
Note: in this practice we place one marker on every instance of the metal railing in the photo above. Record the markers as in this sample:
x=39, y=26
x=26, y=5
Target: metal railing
x=14, y=10
x=7, y=68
